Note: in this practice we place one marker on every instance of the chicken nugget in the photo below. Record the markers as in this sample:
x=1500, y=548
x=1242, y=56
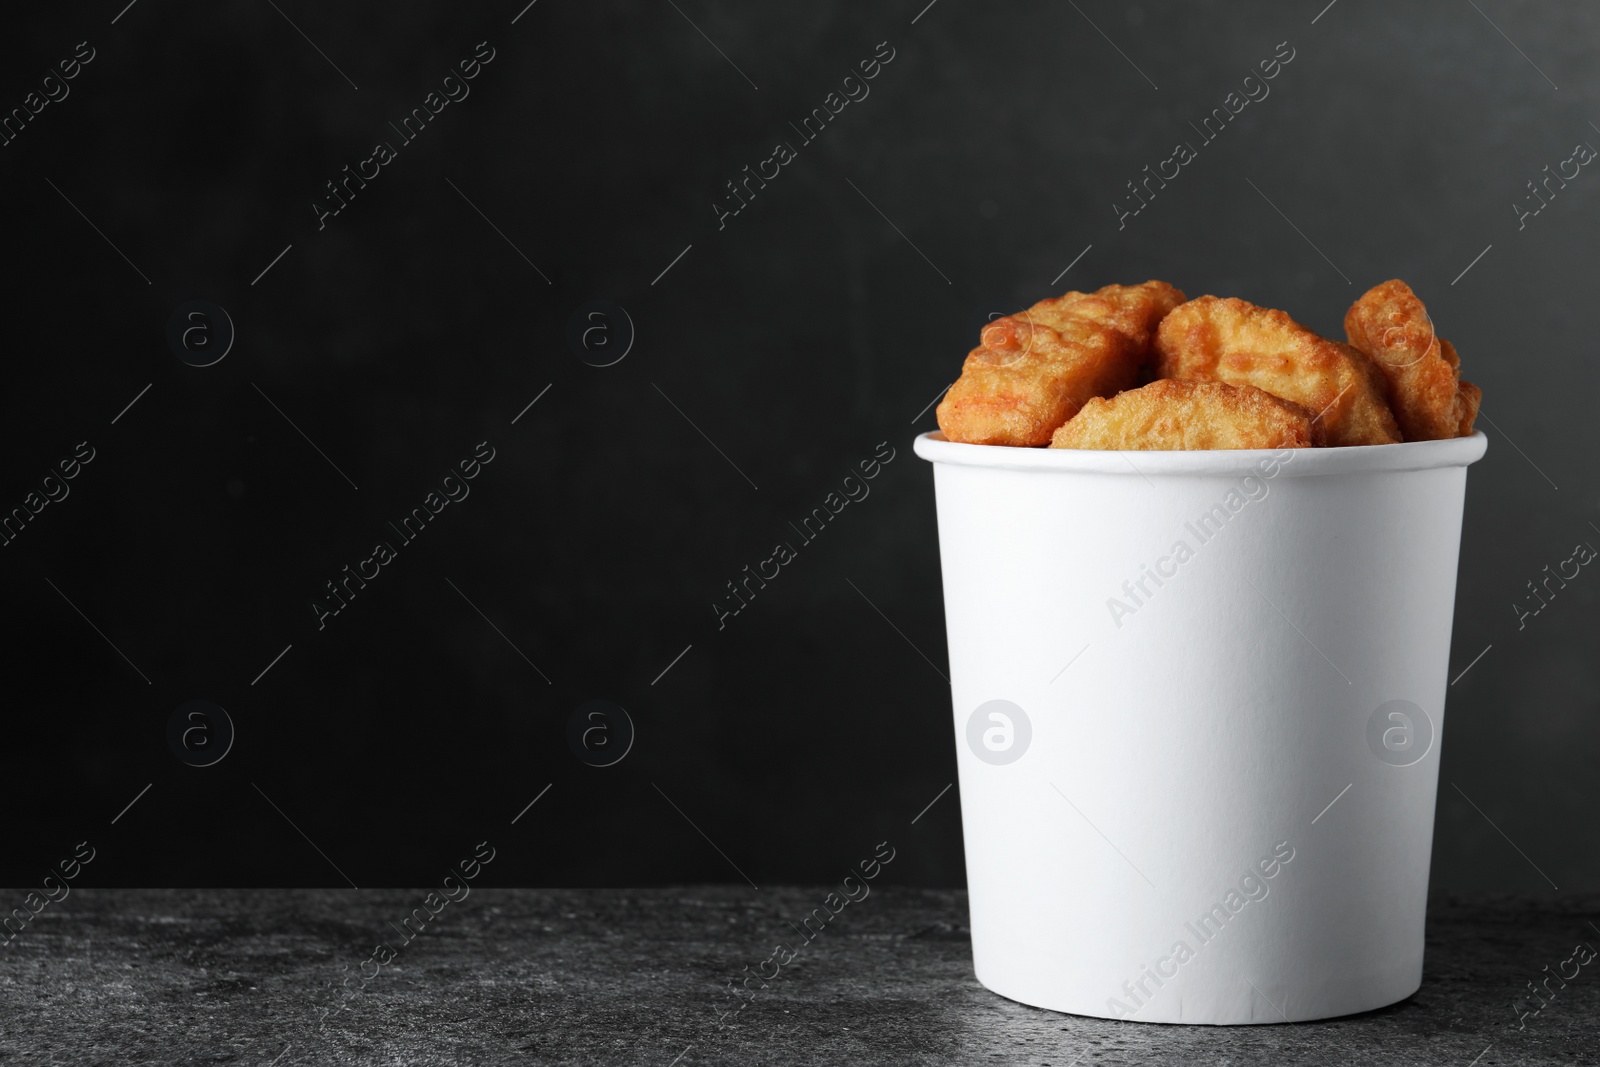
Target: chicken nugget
x=1033, y=370
x=1429, y=398
x=1175, y=413
x=1234, y=341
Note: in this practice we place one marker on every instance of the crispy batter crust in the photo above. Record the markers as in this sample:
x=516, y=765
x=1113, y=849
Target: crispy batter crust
x=1430, y=400
x=1174, y=413
x=1034, y=370
x=1234, y=341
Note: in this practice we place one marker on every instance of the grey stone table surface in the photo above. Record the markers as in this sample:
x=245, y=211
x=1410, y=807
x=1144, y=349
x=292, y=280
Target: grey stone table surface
x=614, y=976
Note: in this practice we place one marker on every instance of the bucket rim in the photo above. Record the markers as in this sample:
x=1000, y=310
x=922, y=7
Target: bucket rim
x=1295, y=462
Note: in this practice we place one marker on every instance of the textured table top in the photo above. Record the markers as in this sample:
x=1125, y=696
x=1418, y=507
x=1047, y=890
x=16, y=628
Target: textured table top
x=640, y=976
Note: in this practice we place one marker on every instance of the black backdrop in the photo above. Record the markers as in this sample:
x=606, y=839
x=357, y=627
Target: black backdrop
x=772, y=351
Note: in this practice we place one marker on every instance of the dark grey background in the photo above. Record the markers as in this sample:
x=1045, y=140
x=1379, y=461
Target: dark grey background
x=797, y=338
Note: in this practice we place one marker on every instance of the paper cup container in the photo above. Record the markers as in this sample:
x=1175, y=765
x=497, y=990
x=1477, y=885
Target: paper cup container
x=1198, y=703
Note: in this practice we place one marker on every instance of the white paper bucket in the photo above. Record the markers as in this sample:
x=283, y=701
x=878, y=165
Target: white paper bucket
x=1205, y=795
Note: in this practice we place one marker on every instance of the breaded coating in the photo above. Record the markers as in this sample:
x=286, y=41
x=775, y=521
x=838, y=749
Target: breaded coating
x=1174, y=413
x=1034, y=370
x=1429, y=398
x=1234, y=341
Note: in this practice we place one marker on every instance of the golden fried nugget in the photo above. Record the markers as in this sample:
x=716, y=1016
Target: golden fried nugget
x=1429, y=398
x=1034, y=370
x=1234, y=341
x=1174, y=413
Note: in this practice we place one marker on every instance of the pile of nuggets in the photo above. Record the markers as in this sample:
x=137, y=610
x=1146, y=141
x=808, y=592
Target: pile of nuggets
x=1143, y=367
